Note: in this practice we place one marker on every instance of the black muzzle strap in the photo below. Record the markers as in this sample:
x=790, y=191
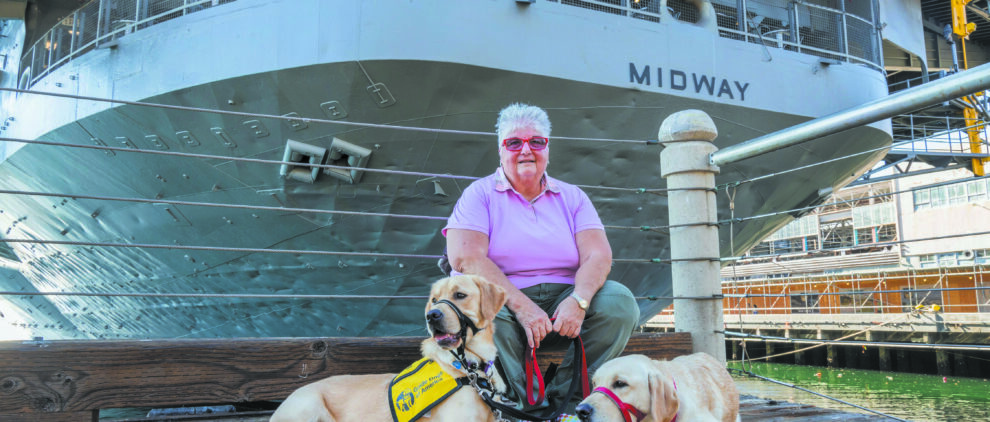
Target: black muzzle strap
x=465, y=324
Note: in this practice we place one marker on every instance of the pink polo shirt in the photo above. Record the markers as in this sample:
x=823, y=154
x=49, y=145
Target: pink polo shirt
x=532, y=242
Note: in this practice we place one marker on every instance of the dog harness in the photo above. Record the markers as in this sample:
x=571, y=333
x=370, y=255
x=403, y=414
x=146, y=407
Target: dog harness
x=419, y=388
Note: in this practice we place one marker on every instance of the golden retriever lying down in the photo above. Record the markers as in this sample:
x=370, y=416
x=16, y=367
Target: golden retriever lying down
x=366, y=398
x=687, y=389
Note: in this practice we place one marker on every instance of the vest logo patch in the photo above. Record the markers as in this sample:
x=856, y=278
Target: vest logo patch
x=418, y=388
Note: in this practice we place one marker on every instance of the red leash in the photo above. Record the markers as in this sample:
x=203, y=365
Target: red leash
x=532, y=366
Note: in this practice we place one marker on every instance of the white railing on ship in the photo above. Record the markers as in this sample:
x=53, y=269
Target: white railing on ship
x=100, y=22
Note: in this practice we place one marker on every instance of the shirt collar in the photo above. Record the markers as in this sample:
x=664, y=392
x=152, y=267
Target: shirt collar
x=502, y=183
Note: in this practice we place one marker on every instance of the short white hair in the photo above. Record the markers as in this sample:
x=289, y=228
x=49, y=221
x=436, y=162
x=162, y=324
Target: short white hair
x=518, y=115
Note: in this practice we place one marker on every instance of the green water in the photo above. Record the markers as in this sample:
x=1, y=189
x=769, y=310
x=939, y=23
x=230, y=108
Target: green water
x=908, y=396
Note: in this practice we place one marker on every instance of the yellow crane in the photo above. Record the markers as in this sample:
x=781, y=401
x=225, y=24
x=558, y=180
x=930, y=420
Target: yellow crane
x=961, y=28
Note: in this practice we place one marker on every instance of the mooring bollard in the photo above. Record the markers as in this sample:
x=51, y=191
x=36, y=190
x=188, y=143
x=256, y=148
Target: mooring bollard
x=687, y=136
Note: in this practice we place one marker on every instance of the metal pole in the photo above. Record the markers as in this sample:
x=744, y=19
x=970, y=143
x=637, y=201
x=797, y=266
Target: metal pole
x=955, y=86
x=694, y=250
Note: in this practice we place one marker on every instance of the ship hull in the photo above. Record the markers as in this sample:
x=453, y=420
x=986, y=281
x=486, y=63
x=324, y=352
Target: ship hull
x=403, y=75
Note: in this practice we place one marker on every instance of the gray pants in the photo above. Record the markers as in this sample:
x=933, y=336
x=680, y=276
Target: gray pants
x=612, y=315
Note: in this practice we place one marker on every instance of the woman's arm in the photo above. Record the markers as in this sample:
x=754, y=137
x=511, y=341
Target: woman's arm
x=595, y=264
x=468, y=254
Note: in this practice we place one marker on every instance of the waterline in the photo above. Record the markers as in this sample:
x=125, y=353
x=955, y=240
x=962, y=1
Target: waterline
x=910, y=396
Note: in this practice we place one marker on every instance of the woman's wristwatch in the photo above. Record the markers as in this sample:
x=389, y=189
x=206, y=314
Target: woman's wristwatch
x=583, y=304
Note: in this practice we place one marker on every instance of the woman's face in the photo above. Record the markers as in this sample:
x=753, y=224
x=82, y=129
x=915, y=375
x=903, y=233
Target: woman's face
x=525, y=164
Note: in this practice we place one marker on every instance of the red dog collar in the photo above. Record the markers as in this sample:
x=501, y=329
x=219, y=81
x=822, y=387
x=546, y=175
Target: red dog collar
x=628, y=411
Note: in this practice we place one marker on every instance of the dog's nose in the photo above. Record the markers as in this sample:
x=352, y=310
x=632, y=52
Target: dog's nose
x=584, y=412
x=434, y=315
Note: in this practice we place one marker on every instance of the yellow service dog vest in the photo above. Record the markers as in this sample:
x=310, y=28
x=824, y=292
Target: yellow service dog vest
x=418, y=388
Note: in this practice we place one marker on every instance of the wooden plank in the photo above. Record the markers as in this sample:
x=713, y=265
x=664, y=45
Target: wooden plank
x=84, y=375
x=86, y=416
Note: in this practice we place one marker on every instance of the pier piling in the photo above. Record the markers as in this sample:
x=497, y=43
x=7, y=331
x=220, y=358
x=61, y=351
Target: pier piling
x=694, y=250
x=884, y=357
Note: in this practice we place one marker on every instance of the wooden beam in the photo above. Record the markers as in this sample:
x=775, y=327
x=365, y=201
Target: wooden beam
x=70, y=379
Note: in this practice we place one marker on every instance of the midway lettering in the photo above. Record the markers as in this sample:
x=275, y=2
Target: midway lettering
x=681, y=81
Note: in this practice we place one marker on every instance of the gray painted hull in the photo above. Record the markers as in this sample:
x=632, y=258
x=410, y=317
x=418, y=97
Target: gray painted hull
x=433, y=90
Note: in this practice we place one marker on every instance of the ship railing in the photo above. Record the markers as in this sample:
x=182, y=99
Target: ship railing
x=846, y=33
x=803, y=26
x=942, y=134
x=98, y=24
x=832, y=30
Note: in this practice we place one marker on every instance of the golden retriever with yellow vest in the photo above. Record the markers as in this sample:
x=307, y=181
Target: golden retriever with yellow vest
x=688, y=388
x=366, y=398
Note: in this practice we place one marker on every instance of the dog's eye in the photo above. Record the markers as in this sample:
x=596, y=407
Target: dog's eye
x=459, y=295
x=619, y=384
x=433, y=299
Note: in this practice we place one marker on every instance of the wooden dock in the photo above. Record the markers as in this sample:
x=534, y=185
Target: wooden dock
x=752, y=409
x=72, y=380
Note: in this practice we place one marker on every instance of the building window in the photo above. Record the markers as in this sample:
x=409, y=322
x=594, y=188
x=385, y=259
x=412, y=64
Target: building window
x=927, y=261
x=957, y=193
x=976, y=190
x=940, y=196
x=947, y=260
x=922, y=199
x=855, y=301
x=803, y=303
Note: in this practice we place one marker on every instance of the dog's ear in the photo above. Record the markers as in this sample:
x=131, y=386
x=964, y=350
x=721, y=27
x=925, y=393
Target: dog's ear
x=663, y=396
x=492, y=298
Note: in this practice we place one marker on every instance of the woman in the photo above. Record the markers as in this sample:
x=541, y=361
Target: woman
x=542, y=240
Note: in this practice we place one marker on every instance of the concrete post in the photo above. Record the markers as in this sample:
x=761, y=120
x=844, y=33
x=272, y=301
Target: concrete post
x=694, y=250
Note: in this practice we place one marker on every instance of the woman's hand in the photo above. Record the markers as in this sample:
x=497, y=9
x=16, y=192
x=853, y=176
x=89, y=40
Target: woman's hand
x=568, y=318
x=535, y=322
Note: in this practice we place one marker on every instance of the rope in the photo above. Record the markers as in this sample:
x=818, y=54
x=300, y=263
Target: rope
x=751, y=374
x=839, y=342
x=209, y=295
x=269, y=208
x=891, y=146
x=881, y=195
x=657, y=229
x=321, y=166
x=295, y=251
x=878, y=244
x=219, y=205
x=818, y=343
x=292, y=251
x=870, y=292
x=301, y=119
x=655, y=260
x=220, y=249
x=277, y=296
x=241, y=159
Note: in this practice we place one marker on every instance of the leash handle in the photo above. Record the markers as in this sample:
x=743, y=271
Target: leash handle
x=532, y=366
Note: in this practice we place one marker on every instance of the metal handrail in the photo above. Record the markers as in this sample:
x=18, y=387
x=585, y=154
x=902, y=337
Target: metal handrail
x=104, y=34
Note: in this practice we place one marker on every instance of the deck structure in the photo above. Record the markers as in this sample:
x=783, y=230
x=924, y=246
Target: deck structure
x=72, y=380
